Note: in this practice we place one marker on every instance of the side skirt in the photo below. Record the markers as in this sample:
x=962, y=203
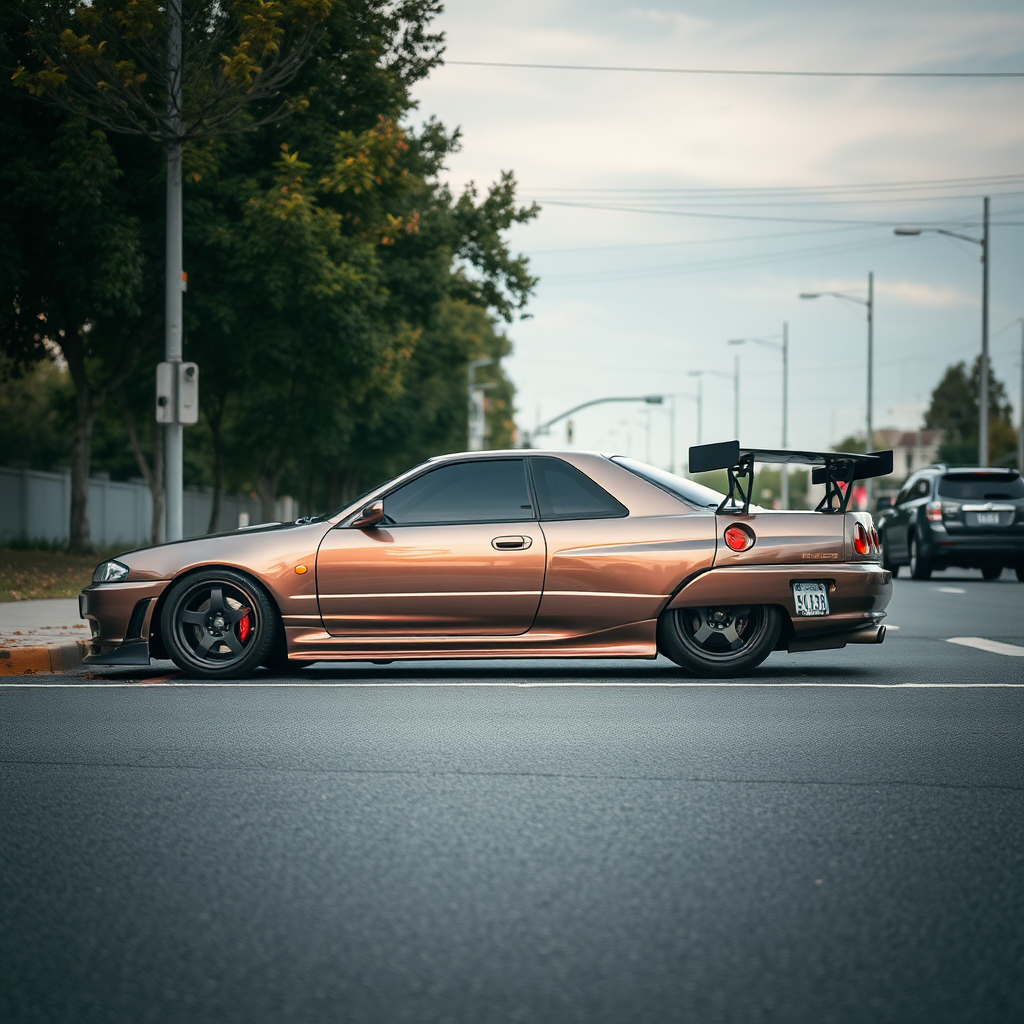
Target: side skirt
x=635, y=640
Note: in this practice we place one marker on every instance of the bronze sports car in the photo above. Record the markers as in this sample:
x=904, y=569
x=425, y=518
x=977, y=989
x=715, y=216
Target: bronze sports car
x=514, y=554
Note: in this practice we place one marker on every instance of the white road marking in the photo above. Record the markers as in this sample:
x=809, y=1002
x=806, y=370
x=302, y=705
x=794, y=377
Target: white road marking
x=952, y=590
x=992, y=646
x=509, y=685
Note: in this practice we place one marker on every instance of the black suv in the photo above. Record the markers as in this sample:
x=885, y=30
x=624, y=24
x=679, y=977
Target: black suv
x=972, y=518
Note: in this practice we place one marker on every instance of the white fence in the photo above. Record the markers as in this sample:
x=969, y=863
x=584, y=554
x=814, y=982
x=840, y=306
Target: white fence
x=36, y=506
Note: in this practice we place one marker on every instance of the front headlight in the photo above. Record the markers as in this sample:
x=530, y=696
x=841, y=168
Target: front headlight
x=109, y=572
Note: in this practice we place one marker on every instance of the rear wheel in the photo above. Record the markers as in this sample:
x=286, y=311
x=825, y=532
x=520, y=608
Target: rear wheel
x=1020, y=573
x=719, y=642
x=991, y=572
x=218, y=624
x=920, y=566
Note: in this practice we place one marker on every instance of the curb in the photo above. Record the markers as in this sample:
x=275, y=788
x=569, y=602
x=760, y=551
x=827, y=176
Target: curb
x=42, y=658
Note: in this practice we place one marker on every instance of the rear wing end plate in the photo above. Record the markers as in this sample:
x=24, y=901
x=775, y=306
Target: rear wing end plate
x=836, y=470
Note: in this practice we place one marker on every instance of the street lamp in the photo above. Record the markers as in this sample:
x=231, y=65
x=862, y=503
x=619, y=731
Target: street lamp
x=983, y=457
x=783, y=347
x=869, y=305
x=543, y=428
x=735, y=376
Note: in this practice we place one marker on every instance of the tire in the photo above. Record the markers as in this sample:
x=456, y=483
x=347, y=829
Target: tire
x=1020, y=573
x=719, y=642
x=218, y=624
x=920, y=567
x=887, y=563
x=991, y=572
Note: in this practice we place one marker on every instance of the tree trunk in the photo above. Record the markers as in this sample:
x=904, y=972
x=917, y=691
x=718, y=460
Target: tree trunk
x=153, y=475
x=215, y=417
x=79, y=533
x=156, y=488
x=266, y=488
x=88, y=401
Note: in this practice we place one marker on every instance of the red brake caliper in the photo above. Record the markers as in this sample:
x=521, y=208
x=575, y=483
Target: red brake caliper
x=244, y=627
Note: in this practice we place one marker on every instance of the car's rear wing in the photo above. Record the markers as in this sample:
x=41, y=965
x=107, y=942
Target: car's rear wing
x=836, y=470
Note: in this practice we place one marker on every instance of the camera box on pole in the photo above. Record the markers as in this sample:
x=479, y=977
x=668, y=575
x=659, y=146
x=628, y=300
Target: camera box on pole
x=188, y=393
x=177, y=391
x=165, y=392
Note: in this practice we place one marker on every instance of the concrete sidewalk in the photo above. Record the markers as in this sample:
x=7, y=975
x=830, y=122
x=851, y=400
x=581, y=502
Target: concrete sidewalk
x=41, y=636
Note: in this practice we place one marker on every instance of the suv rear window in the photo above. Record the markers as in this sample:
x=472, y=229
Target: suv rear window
x=981, y=486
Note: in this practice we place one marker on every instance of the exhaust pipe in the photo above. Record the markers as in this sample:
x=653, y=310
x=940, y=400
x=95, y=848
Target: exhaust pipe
x=871, y=635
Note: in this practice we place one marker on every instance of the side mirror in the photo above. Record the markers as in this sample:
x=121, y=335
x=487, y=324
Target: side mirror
x=884, y=502
x=371, y=514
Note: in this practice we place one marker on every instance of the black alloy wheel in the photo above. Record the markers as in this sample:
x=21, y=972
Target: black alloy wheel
x=218, y=624
x=719, y=642
x=920, y=566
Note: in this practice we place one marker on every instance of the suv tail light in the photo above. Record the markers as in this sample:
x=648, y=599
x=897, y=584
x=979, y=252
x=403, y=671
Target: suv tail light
x=933, y=511
x=860, y=540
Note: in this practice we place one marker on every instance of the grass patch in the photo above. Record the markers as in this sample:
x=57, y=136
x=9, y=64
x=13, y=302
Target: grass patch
x=33, y=575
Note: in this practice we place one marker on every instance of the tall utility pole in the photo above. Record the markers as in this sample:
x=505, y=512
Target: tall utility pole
x=1020, y=408
x=782, y=347
x=785, y=411
x=736, y=398
x=869, y=304
x=983, y=455
x=174, y=437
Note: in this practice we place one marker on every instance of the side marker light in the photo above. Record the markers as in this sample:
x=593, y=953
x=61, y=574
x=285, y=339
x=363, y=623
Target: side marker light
x=300, y=569
x=739, y=538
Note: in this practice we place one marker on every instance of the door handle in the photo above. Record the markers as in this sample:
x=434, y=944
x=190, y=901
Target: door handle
x=511, y=543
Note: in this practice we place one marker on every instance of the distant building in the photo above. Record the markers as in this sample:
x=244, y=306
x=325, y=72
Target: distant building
x=911, y=449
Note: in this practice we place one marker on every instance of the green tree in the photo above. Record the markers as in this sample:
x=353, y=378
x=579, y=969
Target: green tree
x=70, y=256
x=954, y=410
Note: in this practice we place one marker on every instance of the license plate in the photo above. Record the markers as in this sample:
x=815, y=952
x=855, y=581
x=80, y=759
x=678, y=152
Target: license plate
x=988, y=518
x=810, y=598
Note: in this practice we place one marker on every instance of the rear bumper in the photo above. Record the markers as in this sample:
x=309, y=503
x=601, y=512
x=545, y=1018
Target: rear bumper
x=952, y=544
x=857, y=595
x=120, y=616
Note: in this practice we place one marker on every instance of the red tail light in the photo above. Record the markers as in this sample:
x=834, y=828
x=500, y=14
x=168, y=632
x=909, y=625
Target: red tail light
x=860, y=540
x=739, y=538
x=876, y=543
x=933, y=511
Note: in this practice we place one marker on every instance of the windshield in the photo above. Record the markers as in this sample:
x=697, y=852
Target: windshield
x=981, y=486
x=679, y=487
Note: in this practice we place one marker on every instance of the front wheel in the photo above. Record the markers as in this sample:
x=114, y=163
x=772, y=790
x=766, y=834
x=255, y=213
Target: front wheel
x=218, y=624
x=719, y=642
x=920, y=566
x=887, y=562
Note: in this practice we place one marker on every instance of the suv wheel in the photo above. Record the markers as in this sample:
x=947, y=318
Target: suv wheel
x=920, y=566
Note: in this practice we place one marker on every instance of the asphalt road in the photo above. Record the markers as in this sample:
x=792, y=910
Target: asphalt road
x=837, y=838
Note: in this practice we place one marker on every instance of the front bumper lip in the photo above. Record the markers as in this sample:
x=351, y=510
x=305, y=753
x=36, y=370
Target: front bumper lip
x=131, y=652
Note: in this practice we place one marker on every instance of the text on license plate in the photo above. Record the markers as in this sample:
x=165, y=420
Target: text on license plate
x=810, y=598
x=988, y=518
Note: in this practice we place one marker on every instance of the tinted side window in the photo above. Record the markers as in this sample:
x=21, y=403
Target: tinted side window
x=904, y=495
x=465, y=492
x=563, y=492
x=923, y=488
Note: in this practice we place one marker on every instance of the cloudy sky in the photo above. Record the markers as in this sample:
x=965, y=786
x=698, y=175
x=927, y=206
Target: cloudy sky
x=680, y=211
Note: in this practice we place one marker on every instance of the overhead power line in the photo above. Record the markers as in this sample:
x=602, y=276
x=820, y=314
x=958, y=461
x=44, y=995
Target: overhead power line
x=749, y=72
